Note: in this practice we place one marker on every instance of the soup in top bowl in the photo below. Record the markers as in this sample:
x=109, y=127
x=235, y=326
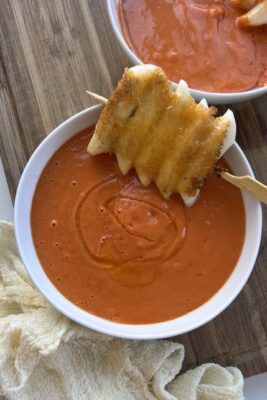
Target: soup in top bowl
x=199, y=41
x=121, y=251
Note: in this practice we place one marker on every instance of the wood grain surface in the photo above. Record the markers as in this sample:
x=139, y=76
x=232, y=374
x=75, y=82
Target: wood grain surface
x=50, y=52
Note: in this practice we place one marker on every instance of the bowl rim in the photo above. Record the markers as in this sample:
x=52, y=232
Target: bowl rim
x=222, y=98
x=203, y=314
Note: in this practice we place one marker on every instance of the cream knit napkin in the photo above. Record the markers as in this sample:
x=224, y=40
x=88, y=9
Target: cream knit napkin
x=44, y=355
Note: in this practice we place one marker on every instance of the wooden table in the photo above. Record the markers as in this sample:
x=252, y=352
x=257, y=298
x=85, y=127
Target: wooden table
x=50, y=52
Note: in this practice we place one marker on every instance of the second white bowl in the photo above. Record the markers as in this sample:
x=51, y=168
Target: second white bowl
x=211, y=97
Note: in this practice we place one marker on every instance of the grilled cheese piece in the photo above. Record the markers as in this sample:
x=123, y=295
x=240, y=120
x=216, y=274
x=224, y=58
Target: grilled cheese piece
x=256, y=16
x=164, y=135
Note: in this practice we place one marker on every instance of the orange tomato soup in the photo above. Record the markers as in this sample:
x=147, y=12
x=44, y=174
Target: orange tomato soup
x=120, y=250
x=200, y=41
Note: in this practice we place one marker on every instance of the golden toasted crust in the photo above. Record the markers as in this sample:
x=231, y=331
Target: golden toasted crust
x=167, y=138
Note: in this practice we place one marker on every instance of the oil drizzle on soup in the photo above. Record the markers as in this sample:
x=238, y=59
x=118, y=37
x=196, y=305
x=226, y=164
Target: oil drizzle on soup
x=120, y=250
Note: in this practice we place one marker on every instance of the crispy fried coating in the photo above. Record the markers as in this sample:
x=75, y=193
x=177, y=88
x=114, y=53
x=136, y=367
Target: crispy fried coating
x=164, y=135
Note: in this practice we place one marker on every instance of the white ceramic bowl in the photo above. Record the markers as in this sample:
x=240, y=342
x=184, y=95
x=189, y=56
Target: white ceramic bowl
x=188, y=322
x=211, y=97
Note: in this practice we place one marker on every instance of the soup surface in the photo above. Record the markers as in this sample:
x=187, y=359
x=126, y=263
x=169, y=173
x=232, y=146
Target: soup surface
x=120, y=250
x=200, y=41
